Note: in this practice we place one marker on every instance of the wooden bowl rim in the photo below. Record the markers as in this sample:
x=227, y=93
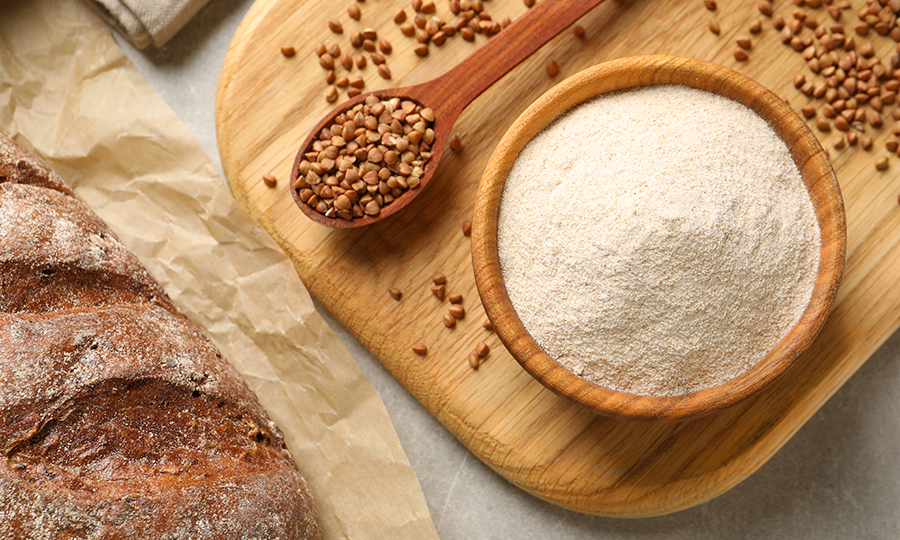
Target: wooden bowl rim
x=817, y=174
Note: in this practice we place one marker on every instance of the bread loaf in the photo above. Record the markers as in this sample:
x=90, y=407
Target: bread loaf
x=118, y=417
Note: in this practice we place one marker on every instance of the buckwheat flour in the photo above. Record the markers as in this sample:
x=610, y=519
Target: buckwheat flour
x=658, y=240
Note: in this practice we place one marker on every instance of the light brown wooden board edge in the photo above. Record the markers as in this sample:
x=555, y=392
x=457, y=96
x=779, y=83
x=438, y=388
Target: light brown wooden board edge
x=677, y=465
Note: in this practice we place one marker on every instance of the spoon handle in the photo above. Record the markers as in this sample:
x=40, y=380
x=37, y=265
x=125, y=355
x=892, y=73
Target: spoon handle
x=458, y=87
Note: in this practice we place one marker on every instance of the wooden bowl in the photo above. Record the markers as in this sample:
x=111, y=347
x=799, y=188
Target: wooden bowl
x=815, y=170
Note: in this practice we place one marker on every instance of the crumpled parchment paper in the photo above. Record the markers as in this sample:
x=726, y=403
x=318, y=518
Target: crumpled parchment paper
x=69, y=93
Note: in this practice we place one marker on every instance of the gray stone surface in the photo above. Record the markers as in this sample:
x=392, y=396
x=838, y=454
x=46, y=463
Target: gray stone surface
x=837, y=478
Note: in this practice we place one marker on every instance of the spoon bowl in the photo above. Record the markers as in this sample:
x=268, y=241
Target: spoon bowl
x=448, y=95
x=441, y=127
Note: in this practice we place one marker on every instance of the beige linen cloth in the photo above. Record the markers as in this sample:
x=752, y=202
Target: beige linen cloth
x=69, y=93
x=147, y=22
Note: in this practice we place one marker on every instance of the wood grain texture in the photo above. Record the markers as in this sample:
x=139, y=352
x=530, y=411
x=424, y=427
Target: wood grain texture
x=537, y=440
x=628, y=73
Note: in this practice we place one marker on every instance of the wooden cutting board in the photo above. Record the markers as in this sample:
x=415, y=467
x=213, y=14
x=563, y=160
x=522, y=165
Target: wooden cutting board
x=538, y=441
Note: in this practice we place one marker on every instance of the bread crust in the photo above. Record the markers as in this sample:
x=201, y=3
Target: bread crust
x=118, y=417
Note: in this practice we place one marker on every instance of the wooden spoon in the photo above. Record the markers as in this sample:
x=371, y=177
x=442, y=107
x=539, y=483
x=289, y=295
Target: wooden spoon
x=450, y=93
